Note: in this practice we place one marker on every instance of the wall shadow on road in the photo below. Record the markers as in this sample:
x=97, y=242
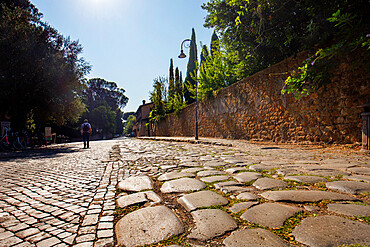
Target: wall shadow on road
x=39, y=153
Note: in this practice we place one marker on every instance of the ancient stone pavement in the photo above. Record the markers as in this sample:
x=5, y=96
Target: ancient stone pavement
x=136, y=192
x=61, y=196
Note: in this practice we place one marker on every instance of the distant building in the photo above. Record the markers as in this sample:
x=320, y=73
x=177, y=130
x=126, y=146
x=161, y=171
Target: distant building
x=142, y=118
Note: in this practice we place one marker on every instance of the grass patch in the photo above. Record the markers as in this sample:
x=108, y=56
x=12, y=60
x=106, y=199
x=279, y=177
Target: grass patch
x=286, y=230
x=174, y=240
x=293, y=184
x=320, y=186
x=324, y=203
x=127, y=210
x=361, y=219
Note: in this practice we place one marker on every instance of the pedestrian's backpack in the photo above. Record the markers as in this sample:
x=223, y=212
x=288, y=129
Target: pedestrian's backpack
x=86, y=127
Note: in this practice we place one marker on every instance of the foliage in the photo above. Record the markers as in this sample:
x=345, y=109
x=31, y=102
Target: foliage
x=171, y=86
x=178, y=86
x=129, y=124
x=158, y=97
x=41, y=73
x=216, y=71
x=316, y=70
x=127, y=114
x=191, y=70
x=104, y=101
x=263, y=32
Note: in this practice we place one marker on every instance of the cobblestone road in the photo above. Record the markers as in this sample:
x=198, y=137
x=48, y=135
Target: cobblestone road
x=218, y=193
x=61, y=196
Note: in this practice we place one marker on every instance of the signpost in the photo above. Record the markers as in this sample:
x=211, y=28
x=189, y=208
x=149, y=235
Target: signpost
x=48, y=134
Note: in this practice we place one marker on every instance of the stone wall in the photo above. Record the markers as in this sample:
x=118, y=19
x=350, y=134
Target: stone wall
x=255, y=109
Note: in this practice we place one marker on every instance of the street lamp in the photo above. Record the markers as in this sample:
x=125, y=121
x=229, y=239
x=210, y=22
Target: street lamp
x=182, y=55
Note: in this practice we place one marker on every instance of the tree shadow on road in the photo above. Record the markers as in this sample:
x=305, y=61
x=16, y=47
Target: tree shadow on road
x=39, y=153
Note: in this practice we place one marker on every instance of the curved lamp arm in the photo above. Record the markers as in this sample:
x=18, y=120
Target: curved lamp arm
x=182, y=54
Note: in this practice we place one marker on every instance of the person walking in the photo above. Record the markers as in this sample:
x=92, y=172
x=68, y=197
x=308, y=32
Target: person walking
x=86, y=132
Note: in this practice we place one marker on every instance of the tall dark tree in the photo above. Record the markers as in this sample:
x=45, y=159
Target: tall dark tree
x=191, y=72
x=215, y=43
x=182, y=86
x=203, y=55
x=41, y=73
x=178, y=86
x=171, y=85
x=105, y=101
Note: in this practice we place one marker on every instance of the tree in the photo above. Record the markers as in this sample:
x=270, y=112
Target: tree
x=127, y=114
x=178, y=85
x=41, y=73
x=171, y=86
x=157, y=96
x=215, y=43
x=129, y=124
x=105, y=101
x=259, y=33
x=191, y=70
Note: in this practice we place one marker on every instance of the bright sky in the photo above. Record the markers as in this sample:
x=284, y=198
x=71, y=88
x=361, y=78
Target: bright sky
x=129, y=42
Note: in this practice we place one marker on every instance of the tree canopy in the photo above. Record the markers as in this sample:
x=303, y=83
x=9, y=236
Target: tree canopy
x=264, y=32
x=41, y=73
x=104, y=101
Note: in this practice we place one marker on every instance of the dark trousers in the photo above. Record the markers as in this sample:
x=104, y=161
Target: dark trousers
x=86, y=138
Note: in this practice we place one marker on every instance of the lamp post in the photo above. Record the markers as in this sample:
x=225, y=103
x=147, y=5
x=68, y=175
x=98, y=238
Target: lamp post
x=182, y=55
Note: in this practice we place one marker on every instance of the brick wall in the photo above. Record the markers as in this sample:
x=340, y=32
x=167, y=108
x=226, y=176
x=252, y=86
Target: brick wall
x=254, y=109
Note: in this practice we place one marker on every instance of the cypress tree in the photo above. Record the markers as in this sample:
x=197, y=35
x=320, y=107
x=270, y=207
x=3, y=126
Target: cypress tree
x=181, y=84
x=203, y=55
x=177, y=82
x=215, y=43
x=171, y=86
x=191, y=69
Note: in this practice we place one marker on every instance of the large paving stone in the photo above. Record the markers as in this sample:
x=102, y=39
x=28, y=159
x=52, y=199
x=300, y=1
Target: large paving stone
x=349, y=209
x=338, y=163
x=136, y=198
x=235, y=169
x=270, y=214
x=245, y=177
x=232, y=187
x=136, y=184
x=209, y=173
x=235, y=189
x=227, y=183
x=326, y=172
x=325, y=231
x=269, y=183
x=360, y=170
x=202, y=199
x=214, y=163
x=234, y=160
x=288, y=171
x=174, y=175
x=193, y=169
x=305, y=196
x=182, y=185
x=358, y=178
x=213, y=179
x=189, y=164
x=210, y=223
x=253, y=237
x=246, y=196
x=147, y=226
x=241, y=206
x=306, y=179
x=260, y=168
x=351, y=187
